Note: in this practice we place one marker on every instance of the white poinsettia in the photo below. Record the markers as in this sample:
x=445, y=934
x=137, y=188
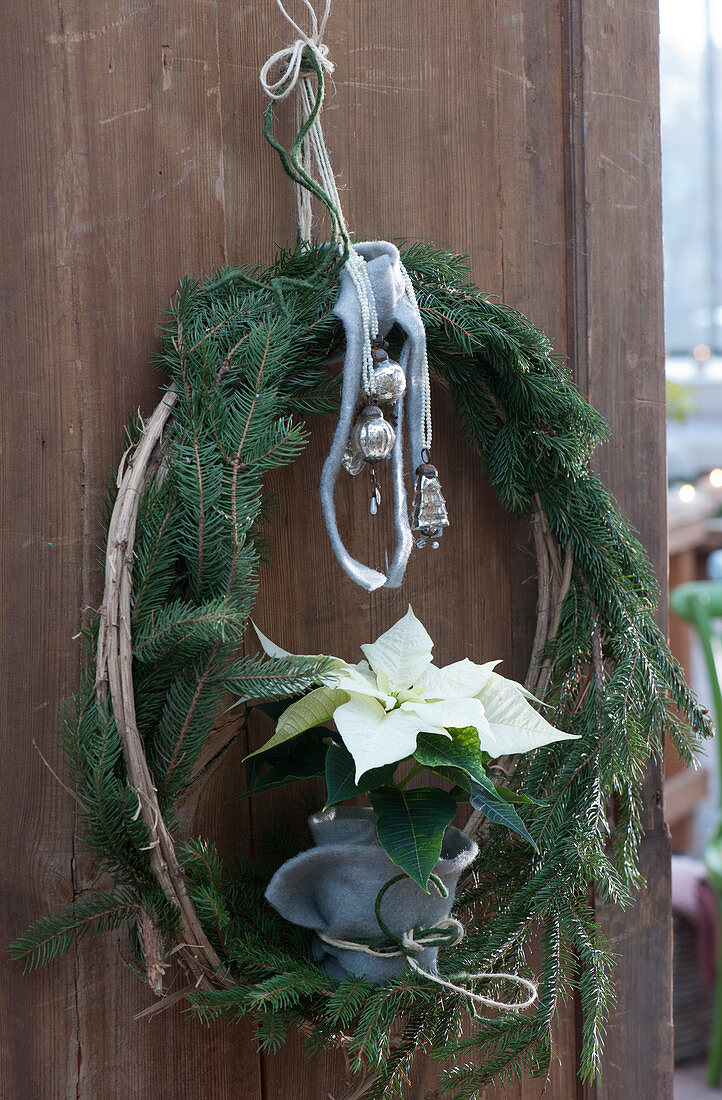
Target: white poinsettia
x=383, y=703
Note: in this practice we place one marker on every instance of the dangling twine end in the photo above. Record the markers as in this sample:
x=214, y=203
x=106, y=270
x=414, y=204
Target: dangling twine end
x=478, y=998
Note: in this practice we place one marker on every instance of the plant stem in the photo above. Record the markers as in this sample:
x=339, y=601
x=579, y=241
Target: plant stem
x=414, y=771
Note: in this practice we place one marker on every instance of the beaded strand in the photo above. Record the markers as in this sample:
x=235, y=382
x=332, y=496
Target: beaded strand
x=426, y=433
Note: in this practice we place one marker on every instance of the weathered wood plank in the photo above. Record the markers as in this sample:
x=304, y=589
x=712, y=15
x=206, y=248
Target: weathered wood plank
x=464, y=596
x=617, y=342
x=42, y=555
x=42, y=552
x=120, y=152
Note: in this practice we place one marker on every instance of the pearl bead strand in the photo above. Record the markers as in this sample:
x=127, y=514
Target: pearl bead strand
x=356, y=267
x=426, y=433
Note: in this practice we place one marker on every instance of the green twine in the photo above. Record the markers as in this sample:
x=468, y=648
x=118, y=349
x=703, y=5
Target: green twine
x=432, y=936
x=291, y=161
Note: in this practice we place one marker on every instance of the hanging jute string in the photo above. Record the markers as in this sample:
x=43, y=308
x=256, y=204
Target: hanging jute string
x=291, y=57
x=305, y=58
x=413, y=943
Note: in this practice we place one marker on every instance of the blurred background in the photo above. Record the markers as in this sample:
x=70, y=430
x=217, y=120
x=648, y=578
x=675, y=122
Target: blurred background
x=691, y=95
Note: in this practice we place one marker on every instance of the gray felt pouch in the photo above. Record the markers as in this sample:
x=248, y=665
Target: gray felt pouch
x=333, y=887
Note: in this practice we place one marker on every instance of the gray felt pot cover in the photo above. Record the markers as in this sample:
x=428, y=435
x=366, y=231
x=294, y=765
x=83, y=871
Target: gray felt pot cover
x=332, y=888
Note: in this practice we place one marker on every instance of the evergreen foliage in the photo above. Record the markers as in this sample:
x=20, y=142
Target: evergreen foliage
x=245, y=352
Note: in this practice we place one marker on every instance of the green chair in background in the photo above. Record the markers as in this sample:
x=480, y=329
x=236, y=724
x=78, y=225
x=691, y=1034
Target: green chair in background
x=700, y=604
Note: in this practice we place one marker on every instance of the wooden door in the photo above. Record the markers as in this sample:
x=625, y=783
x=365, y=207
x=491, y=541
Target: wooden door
x=520, y=133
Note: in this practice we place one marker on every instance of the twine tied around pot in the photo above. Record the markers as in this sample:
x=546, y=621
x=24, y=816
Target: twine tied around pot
x=447, y=932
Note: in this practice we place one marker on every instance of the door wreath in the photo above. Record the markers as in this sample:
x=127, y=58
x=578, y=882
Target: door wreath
x=246, y=355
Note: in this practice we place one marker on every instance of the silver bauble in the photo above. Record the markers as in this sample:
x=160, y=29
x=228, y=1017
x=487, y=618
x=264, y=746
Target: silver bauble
x=353, y=461
x=388, y=383
x=371, y=435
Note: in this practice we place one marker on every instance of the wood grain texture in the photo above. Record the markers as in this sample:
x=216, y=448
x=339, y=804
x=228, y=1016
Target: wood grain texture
x=137, y=155
x=617, y=345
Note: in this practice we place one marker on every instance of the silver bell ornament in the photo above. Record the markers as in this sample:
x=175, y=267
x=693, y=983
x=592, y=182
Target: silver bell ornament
x=372, y=436
x=388, y=381
x=429, y=516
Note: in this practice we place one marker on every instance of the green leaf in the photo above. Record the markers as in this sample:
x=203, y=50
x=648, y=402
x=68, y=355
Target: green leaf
x=461, y=751
x=411, y=826
x=455, y=775
x=311, y=710
x=516, y=797
x=305, y=760
x=340, y=772
x=485, y=798
x=274, y=708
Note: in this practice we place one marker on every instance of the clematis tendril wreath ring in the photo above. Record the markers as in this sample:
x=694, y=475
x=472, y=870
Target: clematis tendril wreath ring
x=246, y=353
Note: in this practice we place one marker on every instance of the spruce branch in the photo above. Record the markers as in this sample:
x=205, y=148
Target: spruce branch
x=52, y=936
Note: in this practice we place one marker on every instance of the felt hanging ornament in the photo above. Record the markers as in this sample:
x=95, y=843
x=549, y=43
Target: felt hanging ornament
x=381, y=400
x=376, y=293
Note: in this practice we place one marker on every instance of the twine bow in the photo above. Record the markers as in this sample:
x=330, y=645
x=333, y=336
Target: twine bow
x=292, y=56
x=447, y=932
